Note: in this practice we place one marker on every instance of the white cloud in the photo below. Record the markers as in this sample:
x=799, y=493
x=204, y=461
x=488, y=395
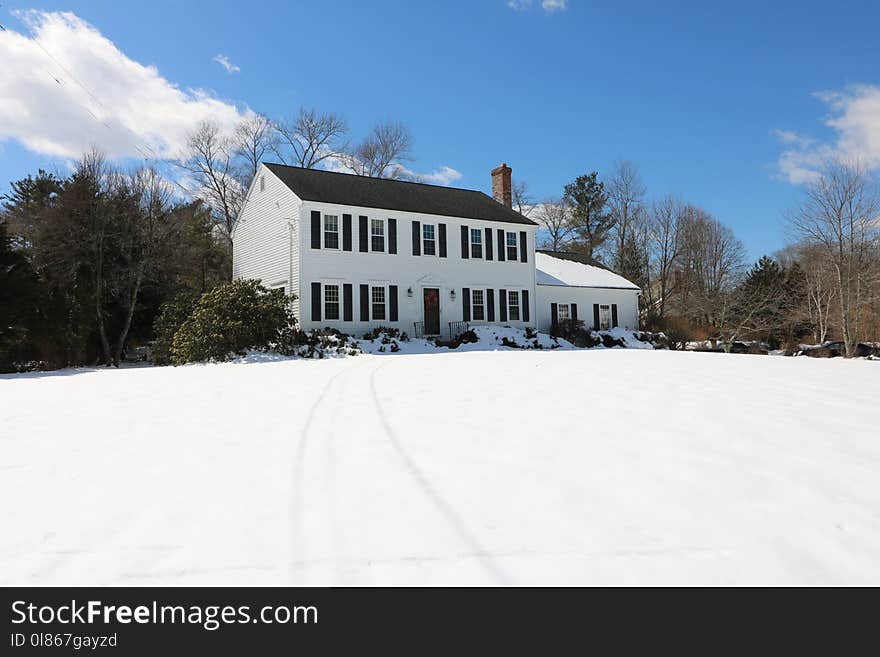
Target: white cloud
x=442, y=176
x=92, y=94
x=854, y=117
x=549, y=6
x=223, y=60
x=554, y=5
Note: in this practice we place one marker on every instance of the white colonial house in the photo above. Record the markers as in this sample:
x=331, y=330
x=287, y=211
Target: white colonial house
x=361, y=252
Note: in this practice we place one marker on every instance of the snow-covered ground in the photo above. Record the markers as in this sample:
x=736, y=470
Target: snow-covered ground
x=508, y=467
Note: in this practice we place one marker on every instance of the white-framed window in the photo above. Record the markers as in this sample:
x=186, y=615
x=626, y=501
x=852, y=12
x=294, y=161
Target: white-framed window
x=513, y=305
x=429, y=239
x=511, y=246
x=377, y=234
x=331, y=302
x=563, y=312
x=604, y=317
x=331, y=231
x=262, y=183
x=378, y=302
x=478, y=305
x=476, y=243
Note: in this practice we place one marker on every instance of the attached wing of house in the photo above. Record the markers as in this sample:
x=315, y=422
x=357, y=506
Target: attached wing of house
x=570, y=286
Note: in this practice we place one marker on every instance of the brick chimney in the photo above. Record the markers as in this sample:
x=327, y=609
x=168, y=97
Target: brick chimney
x=501, y=188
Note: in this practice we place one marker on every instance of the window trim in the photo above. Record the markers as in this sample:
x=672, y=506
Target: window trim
x=508, y=246
x=324, y=232
x=473, y=304
x=606, y=306
x=324, y=302
x=433, y=239
x=518, y=306
x=478, y=232
x=373, y=223
x=384, y=288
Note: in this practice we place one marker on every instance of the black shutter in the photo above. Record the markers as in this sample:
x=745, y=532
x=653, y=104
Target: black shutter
x=466, y=304
x=595, y=316
x=488, y=244
x=524, y=304
x=464, y=243
x=365, y=303
x=347, y=314
x=392, y=303
x=316, y=229
x=392, y=236
x=500, y=245
x=442, y=228
x=613, y=315
x=490, y=305
x=554, y=314
x=316, y=302
x=417, y=238
x=574, y=311
x=363, y=237
x=502, y=305
x=346, y=232
x=523, y=251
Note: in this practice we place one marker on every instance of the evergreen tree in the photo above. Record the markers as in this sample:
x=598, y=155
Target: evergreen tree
x=591, y=220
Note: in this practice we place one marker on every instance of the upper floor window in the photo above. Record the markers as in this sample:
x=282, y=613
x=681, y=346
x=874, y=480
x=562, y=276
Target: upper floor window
x=262, y=183
x=378, y=302
x=478, y=307
x=511, y=246
x=331, y=302
x=476, y=243
x=513, y=304
x=429, y=242
x=377, y=234
x=331, y=231
x=563, y=312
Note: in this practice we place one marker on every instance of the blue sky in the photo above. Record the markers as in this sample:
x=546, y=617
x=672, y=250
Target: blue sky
x=721, y=105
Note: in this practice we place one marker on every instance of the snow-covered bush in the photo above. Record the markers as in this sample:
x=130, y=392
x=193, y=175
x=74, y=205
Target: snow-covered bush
x=233, y=319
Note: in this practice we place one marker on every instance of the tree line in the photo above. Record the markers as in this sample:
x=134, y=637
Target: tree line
x=692, y=269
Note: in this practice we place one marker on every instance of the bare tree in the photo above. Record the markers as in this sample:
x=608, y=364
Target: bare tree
x=839, y=215
x=522, y=198
x=553, y=216
x=382, y=153
x=310, y=138
x=626, y=194
x=210, y=161
x=663, y=248
x=253, y=139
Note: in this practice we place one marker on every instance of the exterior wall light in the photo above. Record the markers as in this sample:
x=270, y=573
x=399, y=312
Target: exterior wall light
x=452, y=294
x=409, y=291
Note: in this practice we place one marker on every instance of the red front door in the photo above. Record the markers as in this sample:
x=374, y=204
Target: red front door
x=432, y=311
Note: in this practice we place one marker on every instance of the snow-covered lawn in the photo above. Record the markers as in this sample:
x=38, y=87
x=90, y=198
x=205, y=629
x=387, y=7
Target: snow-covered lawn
x=540, y=467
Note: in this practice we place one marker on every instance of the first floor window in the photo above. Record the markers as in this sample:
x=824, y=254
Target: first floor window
x=476, y=243
x=429, y=242
x=511, y=246
x=378, y=299
x=478, y=307
x=604, y=317
x=377, y=233
x=331, y=231
x=331, y=302
x=513, y=305
x=563, y=312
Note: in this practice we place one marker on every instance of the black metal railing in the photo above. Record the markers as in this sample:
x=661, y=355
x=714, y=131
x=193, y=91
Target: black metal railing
x=456, y=329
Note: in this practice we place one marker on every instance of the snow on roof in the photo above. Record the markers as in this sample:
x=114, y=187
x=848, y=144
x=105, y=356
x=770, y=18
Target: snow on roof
x=559, y=271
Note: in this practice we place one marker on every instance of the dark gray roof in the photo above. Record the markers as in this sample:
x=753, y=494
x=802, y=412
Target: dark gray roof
x=575, y=257
x=349, y=189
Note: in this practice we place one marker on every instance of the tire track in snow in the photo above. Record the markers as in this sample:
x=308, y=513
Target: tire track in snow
x=430, y=491
x=298, y=543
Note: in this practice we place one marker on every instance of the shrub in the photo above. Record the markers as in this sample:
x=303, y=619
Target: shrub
x=233, y=319
x=574, y=331
x=172, y=315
